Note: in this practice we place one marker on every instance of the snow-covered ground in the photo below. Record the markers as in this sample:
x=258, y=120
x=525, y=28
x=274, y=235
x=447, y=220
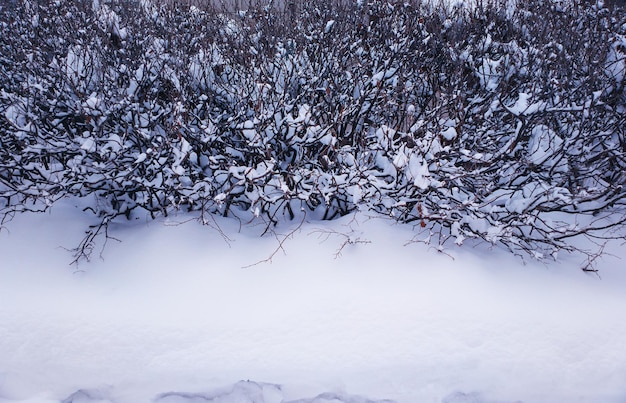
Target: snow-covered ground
x=172, y=314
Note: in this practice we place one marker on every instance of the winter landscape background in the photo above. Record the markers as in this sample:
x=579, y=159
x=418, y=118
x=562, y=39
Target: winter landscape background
x=337, y=202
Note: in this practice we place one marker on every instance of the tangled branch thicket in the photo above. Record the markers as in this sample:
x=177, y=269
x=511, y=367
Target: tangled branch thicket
x=486, y=122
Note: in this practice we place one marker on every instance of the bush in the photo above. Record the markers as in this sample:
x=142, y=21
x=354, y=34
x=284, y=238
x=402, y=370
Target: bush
x=504, y=125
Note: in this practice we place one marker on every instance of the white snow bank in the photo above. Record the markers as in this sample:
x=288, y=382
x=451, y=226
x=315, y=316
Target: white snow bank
x=171, y=310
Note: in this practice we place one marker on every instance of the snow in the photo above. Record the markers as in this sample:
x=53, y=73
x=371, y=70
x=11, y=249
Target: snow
x=449, y=134
x=88, y=143
x=329, y=26
x=170, y=314
x=543, y=144
x=418, y=171
x=615, y=65
x=141, y=158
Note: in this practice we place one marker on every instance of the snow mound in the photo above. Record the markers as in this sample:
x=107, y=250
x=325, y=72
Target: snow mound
x=246, y=392
x=88, y=396
x=241, y=392
x=258, y=392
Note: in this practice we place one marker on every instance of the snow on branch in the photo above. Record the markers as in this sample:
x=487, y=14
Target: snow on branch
x=470, y=123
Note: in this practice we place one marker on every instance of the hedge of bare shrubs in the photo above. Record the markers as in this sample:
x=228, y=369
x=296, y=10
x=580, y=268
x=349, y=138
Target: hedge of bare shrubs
x=491, y=122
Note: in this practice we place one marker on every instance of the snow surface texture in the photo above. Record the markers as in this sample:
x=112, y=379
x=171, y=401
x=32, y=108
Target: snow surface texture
x=171, y=315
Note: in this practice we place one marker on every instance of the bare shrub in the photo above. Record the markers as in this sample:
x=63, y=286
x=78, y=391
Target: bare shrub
x=504, y=125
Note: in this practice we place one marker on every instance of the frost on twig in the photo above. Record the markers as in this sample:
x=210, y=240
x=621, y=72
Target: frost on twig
x=347, y=239
x=85, y=248
x=281, y=239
